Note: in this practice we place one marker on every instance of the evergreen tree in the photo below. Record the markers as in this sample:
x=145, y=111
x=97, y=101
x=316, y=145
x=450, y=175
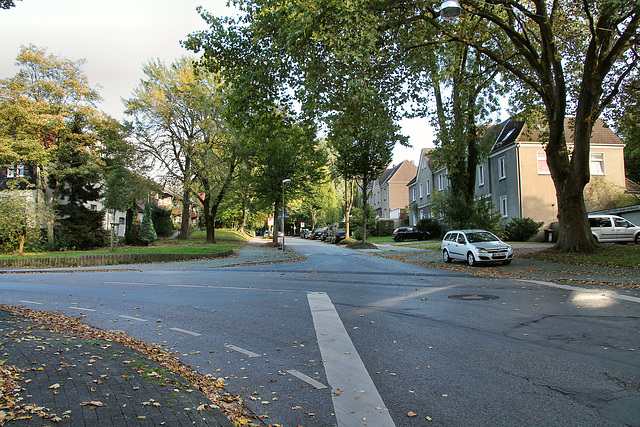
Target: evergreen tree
x=147, y=232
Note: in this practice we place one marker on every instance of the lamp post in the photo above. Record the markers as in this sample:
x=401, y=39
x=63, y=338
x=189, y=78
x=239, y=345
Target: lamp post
x=284, y=181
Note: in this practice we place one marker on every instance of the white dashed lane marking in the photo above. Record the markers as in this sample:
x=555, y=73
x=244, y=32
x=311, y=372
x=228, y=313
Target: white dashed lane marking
x=184, y=331
x=242, y=350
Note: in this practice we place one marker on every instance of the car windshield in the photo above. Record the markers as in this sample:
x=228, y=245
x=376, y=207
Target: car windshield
x=481, y=236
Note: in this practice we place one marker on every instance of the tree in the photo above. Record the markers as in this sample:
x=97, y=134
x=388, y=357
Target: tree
x=47, y=110
x=19, y=225
x=172, y=111
x=625, y=114
x=147, y=233
x=7, y=4
x=571, y=58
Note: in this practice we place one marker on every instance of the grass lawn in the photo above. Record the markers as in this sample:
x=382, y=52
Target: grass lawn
x=195, y=244
x=607, y=255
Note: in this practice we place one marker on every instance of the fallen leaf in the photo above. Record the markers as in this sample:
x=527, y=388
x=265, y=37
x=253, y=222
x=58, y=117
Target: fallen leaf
x=92, y=403
x=411, y=414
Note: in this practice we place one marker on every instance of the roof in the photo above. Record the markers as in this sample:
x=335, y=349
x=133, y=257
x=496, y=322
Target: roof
x=403, y=172
x=632, y=187
x=511, y=131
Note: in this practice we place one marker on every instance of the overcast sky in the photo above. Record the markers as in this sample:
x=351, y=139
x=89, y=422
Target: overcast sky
x=117, y=37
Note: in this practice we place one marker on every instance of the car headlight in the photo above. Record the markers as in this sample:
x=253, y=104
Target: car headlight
x=482, y=250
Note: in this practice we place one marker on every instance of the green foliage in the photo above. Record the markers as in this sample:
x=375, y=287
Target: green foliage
x=431, y=226
x=79, y=228
x=521, y=229
x=457, y=213
x=15, y=226
x=162, y=222
x=147, y=233
x=357, y=222
x=385, y=227
x=132, y=227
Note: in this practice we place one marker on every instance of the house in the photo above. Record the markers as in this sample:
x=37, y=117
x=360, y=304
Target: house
x=428, y=180
x=516, y=177
x=519, y=179
x=388, y=195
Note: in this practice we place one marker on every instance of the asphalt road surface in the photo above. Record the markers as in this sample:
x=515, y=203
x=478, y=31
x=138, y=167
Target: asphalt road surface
x=350, y=339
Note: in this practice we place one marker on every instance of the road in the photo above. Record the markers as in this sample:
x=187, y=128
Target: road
x=350, y=339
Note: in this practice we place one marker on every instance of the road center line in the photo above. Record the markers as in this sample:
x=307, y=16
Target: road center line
x=356, y=400
x=184, y=331
x=308, y=380
x=82, y=309
x=242, y=350
x=132, y=318
x=609, y=294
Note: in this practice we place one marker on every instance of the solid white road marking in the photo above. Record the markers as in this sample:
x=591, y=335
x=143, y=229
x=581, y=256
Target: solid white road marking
x=184, y=331
x=132, y=318
x=33, y=302
x=356, y=400
x=187, y=286
x=132, y=283
x=242, y=350
x=308, y=380
x=83, y=309
x=588, y=291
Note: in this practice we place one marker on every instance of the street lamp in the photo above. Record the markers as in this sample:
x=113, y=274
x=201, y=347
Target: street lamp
x=450, y=10
x=284, y=181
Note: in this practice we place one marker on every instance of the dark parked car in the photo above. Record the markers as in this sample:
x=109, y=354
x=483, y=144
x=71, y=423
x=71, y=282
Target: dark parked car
x=326, y=235
x=317, y=233
x=404, y=233
x=340, y=235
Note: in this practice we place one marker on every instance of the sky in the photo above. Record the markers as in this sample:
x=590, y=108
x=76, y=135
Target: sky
x=117, y=37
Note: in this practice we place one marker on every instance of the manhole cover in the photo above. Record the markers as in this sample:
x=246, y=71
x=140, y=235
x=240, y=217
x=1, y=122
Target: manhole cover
x=474, y=297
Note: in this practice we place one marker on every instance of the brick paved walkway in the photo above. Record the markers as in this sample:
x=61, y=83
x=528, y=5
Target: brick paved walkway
x=69, y=381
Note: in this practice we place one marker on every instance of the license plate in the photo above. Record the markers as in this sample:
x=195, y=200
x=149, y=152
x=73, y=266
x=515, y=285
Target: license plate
x=499, y=256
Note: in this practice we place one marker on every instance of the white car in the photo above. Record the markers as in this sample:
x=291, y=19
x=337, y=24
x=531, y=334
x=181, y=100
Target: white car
x=612, y=228
x=475, y=246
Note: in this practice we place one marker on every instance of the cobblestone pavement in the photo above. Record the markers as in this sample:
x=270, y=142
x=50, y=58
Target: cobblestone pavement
x=68, y=381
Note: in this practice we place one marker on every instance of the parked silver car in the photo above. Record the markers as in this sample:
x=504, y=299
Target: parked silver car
x=475, y=246
x=612, y=228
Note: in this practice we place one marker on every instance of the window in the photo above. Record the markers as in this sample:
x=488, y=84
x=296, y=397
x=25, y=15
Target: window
x=597, y=164
x=502, y=168
x=428, y=187
x=94, y=207
x=424, y=163
x=14, y=171
x=480, y=175
x=543, y=167
x=421, y=214
x=421, y=194
x=503, y=206
x=121, y=220
x=440, y=182
x=413, y=193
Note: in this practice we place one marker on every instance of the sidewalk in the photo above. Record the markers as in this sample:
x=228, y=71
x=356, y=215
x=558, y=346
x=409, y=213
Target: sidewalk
x=49, y=378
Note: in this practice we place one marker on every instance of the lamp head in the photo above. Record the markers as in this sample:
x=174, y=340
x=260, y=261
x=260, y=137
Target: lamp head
x=284, y=181
x=450, y=10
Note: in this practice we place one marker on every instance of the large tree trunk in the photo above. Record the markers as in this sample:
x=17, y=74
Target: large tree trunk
x=276, y=221
x=348, y=203
x=365, y=182
x=186, y=200
x=570, y=178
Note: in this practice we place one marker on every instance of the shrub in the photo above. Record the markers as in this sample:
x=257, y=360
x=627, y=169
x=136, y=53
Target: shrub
x=162, y=222
x=521, y=229
x=386, y=227
x=431, y=226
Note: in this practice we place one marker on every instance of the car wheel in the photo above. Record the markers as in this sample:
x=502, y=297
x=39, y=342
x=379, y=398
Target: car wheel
x=471, y=259
x=445, y=256
x=638, y=239
x=595, y=238
x=507, y=262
